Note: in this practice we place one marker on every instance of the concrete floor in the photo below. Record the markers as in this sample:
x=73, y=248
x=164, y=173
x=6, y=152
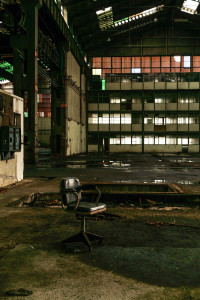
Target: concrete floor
x=149, y=253
x=140, y=168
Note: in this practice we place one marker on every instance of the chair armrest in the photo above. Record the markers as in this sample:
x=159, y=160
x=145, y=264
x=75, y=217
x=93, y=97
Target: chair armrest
x=75, y=191
x=70, y=191
x=85, y=187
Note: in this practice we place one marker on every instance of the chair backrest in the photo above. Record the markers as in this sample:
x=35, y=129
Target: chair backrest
x=69, y=183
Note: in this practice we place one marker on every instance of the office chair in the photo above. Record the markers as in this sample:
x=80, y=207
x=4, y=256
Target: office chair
x=71, y=198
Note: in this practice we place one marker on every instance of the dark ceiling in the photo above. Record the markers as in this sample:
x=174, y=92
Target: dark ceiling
x=83, y=19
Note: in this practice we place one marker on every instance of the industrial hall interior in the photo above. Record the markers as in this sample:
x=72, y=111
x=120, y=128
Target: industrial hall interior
x=100, y=129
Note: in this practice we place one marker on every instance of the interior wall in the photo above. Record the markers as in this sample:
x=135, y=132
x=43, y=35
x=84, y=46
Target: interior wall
x=11, y=170
x=165, y=39
x=44, y=132
x=76, y=107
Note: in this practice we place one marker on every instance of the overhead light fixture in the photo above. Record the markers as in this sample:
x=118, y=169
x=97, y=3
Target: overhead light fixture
x=190, y=6
x=140, y=15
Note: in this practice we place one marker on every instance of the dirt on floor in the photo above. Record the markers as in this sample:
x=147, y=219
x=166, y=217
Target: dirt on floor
x=147, y=253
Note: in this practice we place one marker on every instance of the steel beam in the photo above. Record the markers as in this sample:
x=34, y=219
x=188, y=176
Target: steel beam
x=31, y=7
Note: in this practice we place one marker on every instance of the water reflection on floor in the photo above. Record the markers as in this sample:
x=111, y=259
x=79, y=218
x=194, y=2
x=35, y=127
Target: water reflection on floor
x=121, y=167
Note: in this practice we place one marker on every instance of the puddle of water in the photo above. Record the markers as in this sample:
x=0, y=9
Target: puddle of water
x=158, y=181
x=123, y=181
x=184, y=182
x=120, y=164
x=75, y=166
x=181, y=160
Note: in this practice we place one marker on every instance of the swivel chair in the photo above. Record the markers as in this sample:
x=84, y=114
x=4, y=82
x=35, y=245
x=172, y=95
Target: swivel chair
x=71, y=198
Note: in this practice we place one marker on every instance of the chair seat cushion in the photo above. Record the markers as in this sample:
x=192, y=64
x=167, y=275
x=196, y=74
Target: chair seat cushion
x=87, y=206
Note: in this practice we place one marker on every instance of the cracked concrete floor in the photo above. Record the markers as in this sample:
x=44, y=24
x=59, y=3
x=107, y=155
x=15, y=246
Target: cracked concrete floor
x=139, y=259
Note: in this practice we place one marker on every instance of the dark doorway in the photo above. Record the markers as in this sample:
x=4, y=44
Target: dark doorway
x=106, y=144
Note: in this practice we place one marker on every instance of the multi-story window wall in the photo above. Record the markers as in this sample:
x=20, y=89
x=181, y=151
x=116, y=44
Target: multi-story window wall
x=148, y=104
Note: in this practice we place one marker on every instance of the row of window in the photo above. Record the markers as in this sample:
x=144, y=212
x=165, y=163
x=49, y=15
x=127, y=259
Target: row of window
x=149, y=140
x=174, y=78
x=146, y=64
x=154, y=140
x=159, y=119
x=150, y=97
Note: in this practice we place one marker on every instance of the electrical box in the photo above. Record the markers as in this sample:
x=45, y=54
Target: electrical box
x=17, y=139
x=10, y=141
x=7, y=139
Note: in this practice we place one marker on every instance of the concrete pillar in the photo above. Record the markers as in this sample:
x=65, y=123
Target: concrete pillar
x=58, y=121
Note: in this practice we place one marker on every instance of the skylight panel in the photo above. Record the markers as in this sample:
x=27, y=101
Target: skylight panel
x=139, y=16
x=190, y=6
x=105, y=18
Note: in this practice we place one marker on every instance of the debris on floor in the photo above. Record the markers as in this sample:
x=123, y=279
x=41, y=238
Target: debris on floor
x=19, y=292
x=159, y=223
x=104, y=216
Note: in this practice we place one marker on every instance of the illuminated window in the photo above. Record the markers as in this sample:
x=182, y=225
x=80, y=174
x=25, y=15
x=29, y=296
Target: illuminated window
x=171, y=119
x=177, y=58
x=170, y=140
x=193, y=141
x=183, y=99
x=96, y=72
x=136, y=140
x=103, y=118
x=115, y=100
x=182, y=140
x=114, y=118
x=136, y=70
x=194, y=120
x=115, y=141
x=186, y=62
x=126, y=140
x=159, y=140
x=93, y=119
x=182, y=120
x=125, y=118
x=159, y=120
x=159, y=100
x=149, y=140
x=136, y=100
